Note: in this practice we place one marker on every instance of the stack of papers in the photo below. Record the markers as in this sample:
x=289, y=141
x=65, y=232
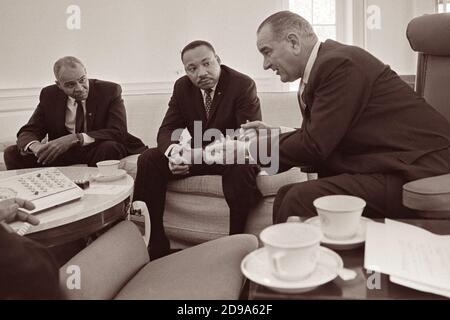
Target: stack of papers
x=410, y=255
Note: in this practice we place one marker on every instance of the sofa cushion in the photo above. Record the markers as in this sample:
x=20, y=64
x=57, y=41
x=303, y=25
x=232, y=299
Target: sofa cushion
x=5, y=143
x=212, y=185
x=209, y=185
x=429, y=194
x=208, y=271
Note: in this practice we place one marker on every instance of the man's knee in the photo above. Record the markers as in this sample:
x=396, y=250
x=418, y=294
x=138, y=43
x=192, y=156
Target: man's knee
x=151, y=158
x=297, y=200
x=112, y=148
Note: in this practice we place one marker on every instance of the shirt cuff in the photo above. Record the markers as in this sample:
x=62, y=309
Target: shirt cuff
x=249, y=154
x=27, y=147
x=169, y=149
x=87, y=140
x=286, y=129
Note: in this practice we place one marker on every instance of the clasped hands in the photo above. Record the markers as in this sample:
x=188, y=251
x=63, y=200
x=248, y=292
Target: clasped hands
x=48, y=152
x=235, y=150
x=226, y=150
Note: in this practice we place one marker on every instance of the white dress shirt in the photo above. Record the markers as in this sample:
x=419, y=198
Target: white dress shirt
x=309, y=64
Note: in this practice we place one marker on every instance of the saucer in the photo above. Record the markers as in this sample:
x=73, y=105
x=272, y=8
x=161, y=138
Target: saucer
x=345, y=244
x=255, y=267
x=118, y=175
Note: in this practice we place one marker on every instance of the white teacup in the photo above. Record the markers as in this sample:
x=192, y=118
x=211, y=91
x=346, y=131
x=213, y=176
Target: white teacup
x=293, y=249
x=108, y=167
x=339, y=215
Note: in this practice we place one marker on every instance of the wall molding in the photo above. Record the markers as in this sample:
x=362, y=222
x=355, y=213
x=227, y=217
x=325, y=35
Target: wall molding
x=268, y=84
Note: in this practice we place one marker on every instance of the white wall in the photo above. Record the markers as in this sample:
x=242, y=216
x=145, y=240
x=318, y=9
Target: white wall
x=136, y=41
x=389, y=43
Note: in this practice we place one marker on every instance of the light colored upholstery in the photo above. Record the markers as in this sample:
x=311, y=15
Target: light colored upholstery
x=116, y=265
x=429, y=35
x=208, y=271
x=107, y=264
x=5, y=143
x=429, y=194
x=196, y=210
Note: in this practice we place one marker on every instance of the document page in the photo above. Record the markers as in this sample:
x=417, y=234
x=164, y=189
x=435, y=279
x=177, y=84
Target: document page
x=410, y=255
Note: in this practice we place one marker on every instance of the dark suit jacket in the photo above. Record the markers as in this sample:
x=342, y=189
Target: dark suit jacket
x=27, y=270
x=234, y=102
x=105, y=116
x=362, y=118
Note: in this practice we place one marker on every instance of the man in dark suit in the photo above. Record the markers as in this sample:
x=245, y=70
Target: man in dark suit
x=85, y=121
x=364, y=129
x=27, y=270
x=210, y=96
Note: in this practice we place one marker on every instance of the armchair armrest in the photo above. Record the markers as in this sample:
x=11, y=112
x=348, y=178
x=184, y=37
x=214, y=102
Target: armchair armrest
x=107, y=264
x=431, y=196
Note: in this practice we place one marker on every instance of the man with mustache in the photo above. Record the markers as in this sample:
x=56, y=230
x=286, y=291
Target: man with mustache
x=85, y=120
x=213, y=96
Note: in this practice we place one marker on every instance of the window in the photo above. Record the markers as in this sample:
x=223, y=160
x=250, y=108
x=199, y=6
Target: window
x=322, y=16
x=320, y=13
x=443, y=6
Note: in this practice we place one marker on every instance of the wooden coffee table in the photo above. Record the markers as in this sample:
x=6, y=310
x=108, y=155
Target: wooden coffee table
x=80, y=218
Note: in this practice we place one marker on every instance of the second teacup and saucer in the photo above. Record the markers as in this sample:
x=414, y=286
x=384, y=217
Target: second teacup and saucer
x=292, y=260
x=340, y=219
x=343, y=244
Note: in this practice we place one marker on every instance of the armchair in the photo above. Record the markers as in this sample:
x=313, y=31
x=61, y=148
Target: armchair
x=429, y=35
x=116, y=266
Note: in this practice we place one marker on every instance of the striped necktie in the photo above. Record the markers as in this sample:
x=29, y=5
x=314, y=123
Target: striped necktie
x=208, y=102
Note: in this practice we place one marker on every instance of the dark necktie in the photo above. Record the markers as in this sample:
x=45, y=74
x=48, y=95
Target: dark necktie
x=208, y=102
x=79, y=118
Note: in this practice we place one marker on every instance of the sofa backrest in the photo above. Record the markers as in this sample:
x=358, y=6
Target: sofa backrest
x=145, y=112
